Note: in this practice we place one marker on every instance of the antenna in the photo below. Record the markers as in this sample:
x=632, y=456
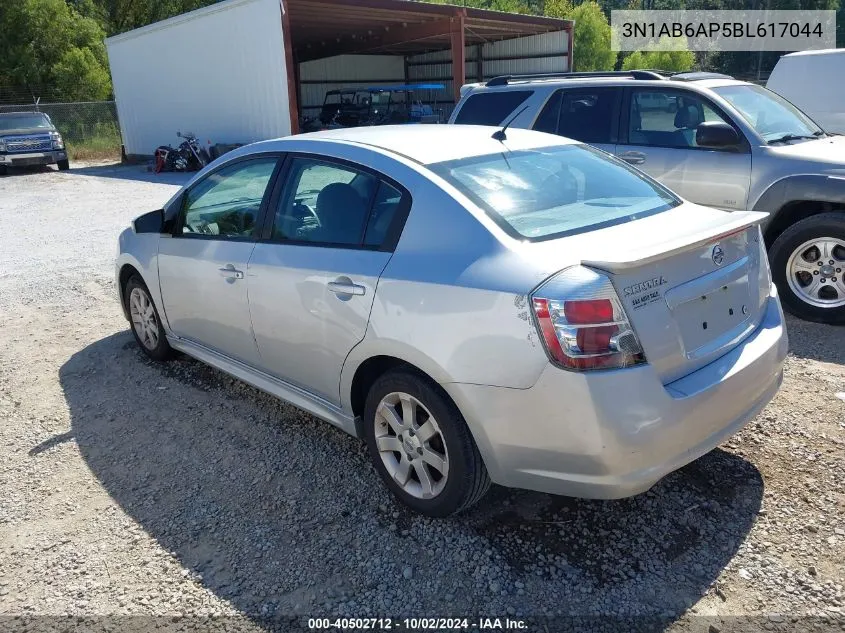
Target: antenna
x=500, y=135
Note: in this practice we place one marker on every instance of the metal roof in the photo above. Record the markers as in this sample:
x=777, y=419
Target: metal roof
x=322, y=28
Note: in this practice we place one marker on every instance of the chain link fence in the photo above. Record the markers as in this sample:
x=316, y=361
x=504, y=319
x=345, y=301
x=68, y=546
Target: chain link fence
x=90, y=129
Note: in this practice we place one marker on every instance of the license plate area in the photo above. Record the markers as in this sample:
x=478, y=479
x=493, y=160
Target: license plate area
x=712, y=309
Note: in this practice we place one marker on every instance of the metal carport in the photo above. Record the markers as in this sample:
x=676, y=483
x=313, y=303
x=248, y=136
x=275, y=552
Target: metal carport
x=444, y=38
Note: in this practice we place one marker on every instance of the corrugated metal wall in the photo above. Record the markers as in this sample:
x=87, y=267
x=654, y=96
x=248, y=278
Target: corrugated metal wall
x=345, y=71
x=533, y=54
x=218, y=72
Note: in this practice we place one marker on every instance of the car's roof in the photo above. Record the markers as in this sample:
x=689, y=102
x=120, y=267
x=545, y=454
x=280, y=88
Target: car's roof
x=825, y=51
x=427, y=144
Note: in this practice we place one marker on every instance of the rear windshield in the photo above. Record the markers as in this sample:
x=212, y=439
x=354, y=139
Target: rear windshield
x=21, y=121
x=555, y=191
x=490, y=108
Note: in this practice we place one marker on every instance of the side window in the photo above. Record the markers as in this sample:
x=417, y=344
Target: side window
x=325, y=203
x=226, y=203
x=589, y=115
x=387, y=203
x=660, y=118
x=490, y=108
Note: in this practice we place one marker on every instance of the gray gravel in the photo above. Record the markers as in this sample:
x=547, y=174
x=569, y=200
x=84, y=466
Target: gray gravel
x=130, y=487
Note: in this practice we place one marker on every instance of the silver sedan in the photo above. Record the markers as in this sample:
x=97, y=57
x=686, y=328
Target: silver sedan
x=477, y=305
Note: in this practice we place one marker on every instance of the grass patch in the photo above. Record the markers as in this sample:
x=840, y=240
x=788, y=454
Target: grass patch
x=95, y=148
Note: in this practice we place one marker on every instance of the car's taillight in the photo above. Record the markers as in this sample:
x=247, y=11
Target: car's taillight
x=582, y=322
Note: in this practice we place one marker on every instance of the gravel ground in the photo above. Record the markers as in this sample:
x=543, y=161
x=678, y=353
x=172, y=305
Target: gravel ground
x=134, y=488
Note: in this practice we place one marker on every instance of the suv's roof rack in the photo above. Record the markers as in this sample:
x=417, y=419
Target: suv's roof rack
x=504, y=80
x=697, y=76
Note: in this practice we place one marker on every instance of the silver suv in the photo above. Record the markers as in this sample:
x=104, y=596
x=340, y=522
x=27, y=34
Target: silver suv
x=715, y=141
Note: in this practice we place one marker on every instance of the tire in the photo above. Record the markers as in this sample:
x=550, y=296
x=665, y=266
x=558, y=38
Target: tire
x=153, y=342
x=466, y=479
x=3, y=170
x=794, y=250
x=64, y=165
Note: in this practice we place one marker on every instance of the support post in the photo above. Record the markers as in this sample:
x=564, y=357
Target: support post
x=291, y=68
x=479, y=63
x=458, y=53
x=570, y=47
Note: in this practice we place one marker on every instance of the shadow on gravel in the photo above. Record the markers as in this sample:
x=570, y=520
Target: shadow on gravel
x=132, y=172
x=816, y=341
x=282, y=514
x=20, y=171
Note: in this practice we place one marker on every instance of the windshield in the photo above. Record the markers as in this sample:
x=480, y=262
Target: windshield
x=24, y=121
x=772, y=116
x=555, y=191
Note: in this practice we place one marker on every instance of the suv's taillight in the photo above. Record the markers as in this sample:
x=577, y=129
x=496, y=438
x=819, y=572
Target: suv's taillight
x=582, y=322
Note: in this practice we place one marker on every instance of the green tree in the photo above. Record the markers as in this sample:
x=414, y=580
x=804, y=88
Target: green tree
x=47, y=43
x=508, y=6
x=669, y=60
x=592, y=34
x=124, y=15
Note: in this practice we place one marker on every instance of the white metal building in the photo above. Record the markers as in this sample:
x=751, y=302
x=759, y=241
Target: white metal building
x=245, y=70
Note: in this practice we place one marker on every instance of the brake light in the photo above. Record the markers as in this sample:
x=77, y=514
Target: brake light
x=588, y=331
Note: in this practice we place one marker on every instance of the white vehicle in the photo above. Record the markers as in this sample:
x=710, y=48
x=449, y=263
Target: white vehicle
x=815, y=82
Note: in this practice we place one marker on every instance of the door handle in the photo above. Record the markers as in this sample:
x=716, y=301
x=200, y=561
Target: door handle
x=346, y=288
x=633, y=158
x=230, y=272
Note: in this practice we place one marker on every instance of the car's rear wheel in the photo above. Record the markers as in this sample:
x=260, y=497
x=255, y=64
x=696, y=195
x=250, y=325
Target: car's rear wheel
x=421, y=445
x=146, y=323
x=808, y=263
x=64, y=165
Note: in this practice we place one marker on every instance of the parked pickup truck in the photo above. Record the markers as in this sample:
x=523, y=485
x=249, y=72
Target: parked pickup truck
x=30, y=138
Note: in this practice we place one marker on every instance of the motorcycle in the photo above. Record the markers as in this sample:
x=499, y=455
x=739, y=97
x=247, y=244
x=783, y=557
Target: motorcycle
x=189, y=156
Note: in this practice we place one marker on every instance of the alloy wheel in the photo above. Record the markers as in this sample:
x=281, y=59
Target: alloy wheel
x=815, y=272
x=411, y=445
x=144, y=318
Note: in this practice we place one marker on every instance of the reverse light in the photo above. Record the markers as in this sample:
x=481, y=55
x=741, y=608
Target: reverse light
x=583, y=324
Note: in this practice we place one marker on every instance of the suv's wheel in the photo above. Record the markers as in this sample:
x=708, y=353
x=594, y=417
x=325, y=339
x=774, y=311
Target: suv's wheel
x=146, y=324
x=808, y=264
x=64, y=165
x=3, y=170
x=421, y=446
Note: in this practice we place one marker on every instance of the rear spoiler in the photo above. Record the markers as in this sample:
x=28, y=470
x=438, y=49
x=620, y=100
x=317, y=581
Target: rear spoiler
x=633, y=258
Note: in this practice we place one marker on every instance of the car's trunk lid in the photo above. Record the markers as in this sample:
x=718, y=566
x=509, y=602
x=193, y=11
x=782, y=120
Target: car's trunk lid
x=692, y=281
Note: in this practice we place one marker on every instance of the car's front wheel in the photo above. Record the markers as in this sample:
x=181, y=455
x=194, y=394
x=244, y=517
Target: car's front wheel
x=808, y=263
x=64, y=165
x=421, y=445
x=146, y=323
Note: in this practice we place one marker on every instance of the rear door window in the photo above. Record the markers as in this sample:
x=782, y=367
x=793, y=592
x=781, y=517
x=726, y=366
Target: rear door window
x=589, y=115
x=490, y=108
x=327, y=203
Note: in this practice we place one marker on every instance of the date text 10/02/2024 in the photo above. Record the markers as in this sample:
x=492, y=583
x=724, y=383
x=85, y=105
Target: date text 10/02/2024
x=416, y=624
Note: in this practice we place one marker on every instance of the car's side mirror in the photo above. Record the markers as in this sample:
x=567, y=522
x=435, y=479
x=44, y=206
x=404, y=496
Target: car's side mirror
x=152, y=222
x=716, y=135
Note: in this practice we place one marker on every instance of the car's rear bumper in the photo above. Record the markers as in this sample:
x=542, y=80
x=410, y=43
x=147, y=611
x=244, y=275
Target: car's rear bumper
x=616, y=433
x=32, y=158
